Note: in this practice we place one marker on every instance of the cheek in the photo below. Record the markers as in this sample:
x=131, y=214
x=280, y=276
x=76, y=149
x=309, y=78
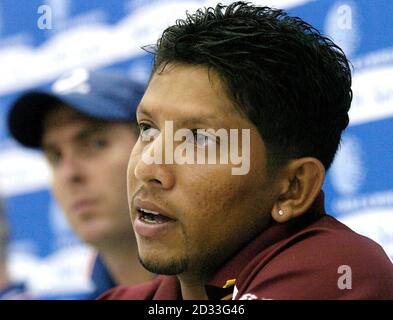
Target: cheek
x=213, y=187
x=120, y=168
x=210, y=196
x=59, y=190
x=116, y=176
x=216, y=200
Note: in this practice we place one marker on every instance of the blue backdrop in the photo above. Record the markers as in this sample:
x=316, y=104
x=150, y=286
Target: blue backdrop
x=39, y=40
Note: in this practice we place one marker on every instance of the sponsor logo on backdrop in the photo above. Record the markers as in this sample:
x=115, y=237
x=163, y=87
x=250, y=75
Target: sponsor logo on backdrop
x=372, y=94
x=348, y=171
x=90, y=41
x=372, y=86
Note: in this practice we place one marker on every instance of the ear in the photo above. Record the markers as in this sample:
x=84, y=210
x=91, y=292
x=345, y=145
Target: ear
x=300, y=182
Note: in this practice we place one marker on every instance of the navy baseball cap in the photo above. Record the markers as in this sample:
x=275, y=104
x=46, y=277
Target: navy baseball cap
x=101, y=95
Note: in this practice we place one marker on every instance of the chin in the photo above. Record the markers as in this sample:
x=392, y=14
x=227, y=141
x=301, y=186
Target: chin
x=168, y=267
x=95, y=236
x=91, y=240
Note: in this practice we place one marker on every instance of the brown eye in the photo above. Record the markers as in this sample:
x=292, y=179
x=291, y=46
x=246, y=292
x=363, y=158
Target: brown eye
x=53, y=157
x=202, y=139
x=147, y=132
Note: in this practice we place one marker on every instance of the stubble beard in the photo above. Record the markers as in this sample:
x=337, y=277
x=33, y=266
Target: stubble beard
x=174, y=267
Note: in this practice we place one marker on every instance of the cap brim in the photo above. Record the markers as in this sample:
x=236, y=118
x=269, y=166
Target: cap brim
x=25, y=119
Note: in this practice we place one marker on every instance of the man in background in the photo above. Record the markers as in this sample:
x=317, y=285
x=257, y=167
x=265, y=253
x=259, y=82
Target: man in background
x=86, y=129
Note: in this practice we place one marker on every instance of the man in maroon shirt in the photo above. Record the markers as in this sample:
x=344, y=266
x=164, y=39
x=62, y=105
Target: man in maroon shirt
x=259, y=232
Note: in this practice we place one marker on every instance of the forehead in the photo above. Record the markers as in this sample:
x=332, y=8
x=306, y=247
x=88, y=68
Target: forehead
x=62, y=114
x=183, y=91
x=65, y=121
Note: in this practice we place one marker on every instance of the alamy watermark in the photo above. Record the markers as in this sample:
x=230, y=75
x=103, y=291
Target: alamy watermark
x=344, y=282
x=344, y=20
x=44, y=21
x=201, y=146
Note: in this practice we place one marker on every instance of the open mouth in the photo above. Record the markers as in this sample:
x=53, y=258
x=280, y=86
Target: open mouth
x=151, y=217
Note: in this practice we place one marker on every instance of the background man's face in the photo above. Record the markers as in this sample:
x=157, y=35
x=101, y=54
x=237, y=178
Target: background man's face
x=212, y=212
x=89, y=163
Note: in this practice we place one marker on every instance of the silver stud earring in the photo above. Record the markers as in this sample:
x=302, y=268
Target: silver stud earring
x=280, y=212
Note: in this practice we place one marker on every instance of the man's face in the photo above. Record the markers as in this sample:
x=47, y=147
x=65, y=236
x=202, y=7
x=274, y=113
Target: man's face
x=89, y=163
x=210, y=213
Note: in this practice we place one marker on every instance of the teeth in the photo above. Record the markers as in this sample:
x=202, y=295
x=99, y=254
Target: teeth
x=149, y=211
x=149, y=220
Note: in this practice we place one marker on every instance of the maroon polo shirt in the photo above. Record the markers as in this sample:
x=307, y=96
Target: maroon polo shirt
x=311, y=257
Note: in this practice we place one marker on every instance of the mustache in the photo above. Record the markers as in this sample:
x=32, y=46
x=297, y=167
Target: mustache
x=151, y=195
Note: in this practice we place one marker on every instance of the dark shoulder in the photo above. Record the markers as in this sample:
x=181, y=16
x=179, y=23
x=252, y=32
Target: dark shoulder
x=144, y=291
x=329, y=238
x=328, y=245
x=312, y=262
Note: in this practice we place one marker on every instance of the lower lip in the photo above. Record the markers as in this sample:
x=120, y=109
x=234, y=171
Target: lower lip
x=152, y=230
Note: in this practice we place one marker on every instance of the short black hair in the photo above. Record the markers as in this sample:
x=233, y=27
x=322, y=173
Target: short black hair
x=292, y=82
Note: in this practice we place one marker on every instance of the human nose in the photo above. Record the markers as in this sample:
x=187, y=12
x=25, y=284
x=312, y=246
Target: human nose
x=150, y=167
x=70, y=169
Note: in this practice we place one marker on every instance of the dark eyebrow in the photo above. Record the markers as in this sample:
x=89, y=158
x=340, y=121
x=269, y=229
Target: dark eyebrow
x=141, y=109
x=202, y=120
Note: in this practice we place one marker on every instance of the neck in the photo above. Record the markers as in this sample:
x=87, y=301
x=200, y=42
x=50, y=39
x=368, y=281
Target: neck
x=123, y=263
x=192, y=288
